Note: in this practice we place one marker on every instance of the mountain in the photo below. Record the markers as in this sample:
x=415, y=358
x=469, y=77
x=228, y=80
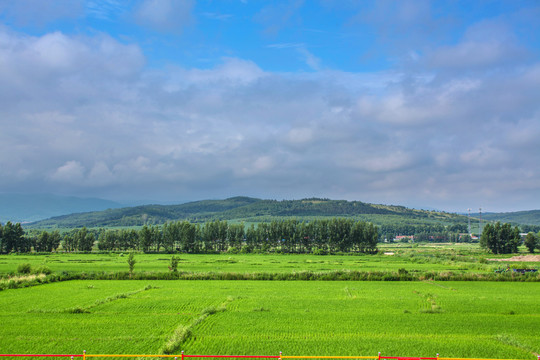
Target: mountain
x=530, y=217
x=34, y=207
x=249, y=209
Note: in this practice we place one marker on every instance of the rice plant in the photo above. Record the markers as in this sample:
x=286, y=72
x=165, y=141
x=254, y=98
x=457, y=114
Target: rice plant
x=466, y=319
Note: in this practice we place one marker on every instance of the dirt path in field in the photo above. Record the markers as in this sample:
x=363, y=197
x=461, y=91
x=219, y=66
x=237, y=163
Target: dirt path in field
x=520, y=258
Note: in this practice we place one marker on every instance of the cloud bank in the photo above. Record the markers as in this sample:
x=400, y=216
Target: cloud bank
x=457, y=126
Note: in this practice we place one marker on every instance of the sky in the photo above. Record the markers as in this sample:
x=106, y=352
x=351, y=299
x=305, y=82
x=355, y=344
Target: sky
x=426, y=104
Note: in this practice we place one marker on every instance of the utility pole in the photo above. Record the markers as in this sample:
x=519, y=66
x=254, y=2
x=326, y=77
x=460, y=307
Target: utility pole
x=469, y=221
x=480, y=223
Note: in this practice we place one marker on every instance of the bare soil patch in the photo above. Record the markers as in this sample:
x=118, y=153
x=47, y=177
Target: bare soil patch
x=520, y=258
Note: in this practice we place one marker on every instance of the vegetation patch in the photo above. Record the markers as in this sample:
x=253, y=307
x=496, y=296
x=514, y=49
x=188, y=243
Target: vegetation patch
x=183, y=332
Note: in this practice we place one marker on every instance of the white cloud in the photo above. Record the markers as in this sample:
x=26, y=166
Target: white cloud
x=311, y=60
x=484, y=45
x=300, y=136
x=395, y=161
x=101, y=175
x=89, y=116
x=71, y=172
x=232, y=72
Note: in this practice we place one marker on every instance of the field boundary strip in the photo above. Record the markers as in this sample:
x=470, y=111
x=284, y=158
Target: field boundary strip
x=182, y=356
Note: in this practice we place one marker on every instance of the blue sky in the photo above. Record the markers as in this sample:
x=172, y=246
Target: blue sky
x=418, y=103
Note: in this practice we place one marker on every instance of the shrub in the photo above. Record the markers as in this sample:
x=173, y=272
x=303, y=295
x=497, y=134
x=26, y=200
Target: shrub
x=42, y=270
x=246, y=249
x=318, y=251
x=174, y=264
x=24, y=268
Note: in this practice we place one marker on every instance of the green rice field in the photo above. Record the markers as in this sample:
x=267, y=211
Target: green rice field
x=456, y=258
x=421, y=318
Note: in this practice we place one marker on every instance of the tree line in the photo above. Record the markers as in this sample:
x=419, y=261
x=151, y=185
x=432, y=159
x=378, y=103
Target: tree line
x=505, y=239
x=286, y=236
x=424, y=232
x=318, y=236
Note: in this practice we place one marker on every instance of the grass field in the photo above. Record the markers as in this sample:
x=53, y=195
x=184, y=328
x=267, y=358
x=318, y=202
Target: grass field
x=442, y=257
x=455, y=319
x=477, y=319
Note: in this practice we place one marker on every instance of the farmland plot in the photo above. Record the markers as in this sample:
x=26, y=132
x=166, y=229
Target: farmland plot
x=417, y=261
x=455, y=319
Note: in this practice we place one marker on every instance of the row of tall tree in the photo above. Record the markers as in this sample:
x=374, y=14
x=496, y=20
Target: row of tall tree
x=14, y=239
x=288, y=236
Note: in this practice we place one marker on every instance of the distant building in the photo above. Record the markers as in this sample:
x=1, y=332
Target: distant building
x=399, y=238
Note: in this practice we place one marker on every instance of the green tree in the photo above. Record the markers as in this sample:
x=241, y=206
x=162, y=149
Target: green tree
x=172, y=234
x=108, y=240
x=466, y=238
x=500, y=239
x=47, y=242
x=42, y=242
x=131, y=263
x=531, y=242
x=145, y=238
x=84, y=240
x=157, y=237
x=13, y=238
x=69, y=243
x=189, y=237
x=54, y=241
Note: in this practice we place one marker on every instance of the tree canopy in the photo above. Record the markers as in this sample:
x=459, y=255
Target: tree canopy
x=500, y=238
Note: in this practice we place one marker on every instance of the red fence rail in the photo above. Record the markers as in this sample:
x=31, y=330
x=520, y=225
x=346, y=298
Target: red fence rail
x=43, y=355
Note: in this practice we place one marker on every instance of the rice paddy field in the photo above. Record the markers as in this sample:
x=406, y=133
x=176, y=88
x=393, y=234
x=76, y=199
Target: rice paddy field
x=460, y=319
x=455, y=319
x=443, y=257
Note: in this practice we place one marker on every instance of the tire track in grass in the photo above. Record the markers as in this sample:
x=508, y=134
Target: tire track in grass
x=431, y=282
x=183, y=332
x=86, y=309
x=512, y=341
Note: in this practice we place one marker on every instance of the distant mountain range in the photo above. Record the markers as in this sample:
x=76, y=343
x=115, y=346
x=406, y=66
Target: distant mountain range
x=249, y=210
x=52, y=211
x=33, y=207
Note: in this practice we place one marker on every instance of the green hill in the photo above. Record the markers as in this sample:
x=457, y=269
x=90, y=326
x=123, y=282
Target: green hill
x=531, y=217
x=251, y=210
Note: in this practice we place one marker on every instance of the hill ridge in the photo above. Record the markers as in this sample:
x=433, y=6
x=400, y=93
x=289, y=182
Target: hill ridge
x=246, y=209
